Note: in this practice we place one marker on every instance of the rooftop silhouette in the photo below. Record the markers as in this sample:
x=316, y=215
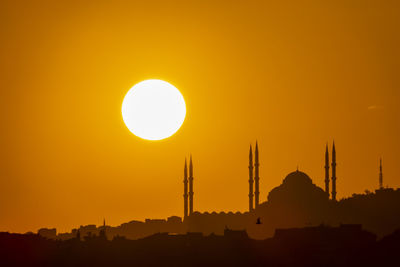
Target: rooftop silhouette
x=345, y=245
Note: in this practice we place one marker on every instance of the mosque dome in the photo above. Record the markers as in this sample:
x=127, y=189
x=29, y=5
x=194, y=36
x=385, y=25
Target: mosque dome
x=297, y=177
x=297, y=186
x=296, y=202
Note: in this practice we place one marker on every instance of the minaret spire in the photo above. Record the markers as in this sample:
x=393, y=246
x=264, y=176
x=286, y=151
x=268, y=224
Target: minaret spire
x=333, y=172
x=185, y=191
x=256, y=177
x=251, y=181
x=190, y=186
x=380, y=174
x=327, y=170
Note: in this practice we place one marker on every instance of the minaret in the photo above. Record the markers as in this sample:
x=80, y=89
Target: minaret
x=333, y=172
x=190, y=186
x=327, y=171
x=251, y=181
x=380, y=174
x=185, y=191
x=102, y=232
x=256, y=177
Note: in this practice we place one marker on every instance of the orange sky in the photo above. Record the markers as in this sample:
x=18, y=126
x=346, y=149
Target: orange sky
x=291, y=75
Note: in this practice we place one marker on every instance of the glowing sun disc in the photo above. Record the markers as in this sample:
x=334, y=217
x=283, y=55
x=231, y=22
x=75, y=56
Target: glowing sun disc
x=153, y=109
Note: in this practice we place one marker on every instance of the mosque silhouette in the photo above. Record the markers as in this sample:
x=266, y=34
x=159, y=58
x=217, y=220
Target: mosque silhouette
x=297, y=202
x=297, y=182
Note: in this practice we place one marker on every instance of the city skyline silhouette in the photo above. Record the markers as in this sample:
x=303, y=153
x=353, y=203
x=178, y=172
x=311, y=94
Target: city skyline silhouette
x=296, y=202
x=199, y=133
x=292, y=76
x=299, y=224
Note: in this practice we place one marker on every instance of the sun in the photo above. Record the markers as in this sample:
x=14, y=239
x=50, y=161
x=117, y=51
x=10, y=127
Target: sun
x=153, y=109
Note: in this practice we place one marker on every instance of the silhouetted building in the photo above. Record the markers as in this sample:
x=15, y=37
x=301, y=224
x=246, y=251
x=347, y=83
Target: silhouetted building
x=208, y=223
x=251, y=181
x=256, y=177
x=327, y=171
x=190, y=186
x=174, y=225
x=333, y=172
x=48, y=233
x=350, y=234
x=235, y=234
x=155, y=221
x=102, y=232
x=297, y=202
x=380, y=174
x=185, y=191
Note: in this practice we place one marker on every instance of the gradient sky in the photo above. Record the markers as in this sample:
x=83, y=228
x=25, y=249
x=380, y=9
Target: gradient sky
x=291, y=74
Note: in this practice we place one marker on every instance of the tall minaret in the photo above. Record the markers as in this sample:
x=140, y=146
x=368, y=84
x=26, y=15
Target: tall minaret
x=380, y=174
x=333, y=172
x=256, y=177
x=251, y=181
x=327, y=171
x=185, y=191
x=190, y=186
